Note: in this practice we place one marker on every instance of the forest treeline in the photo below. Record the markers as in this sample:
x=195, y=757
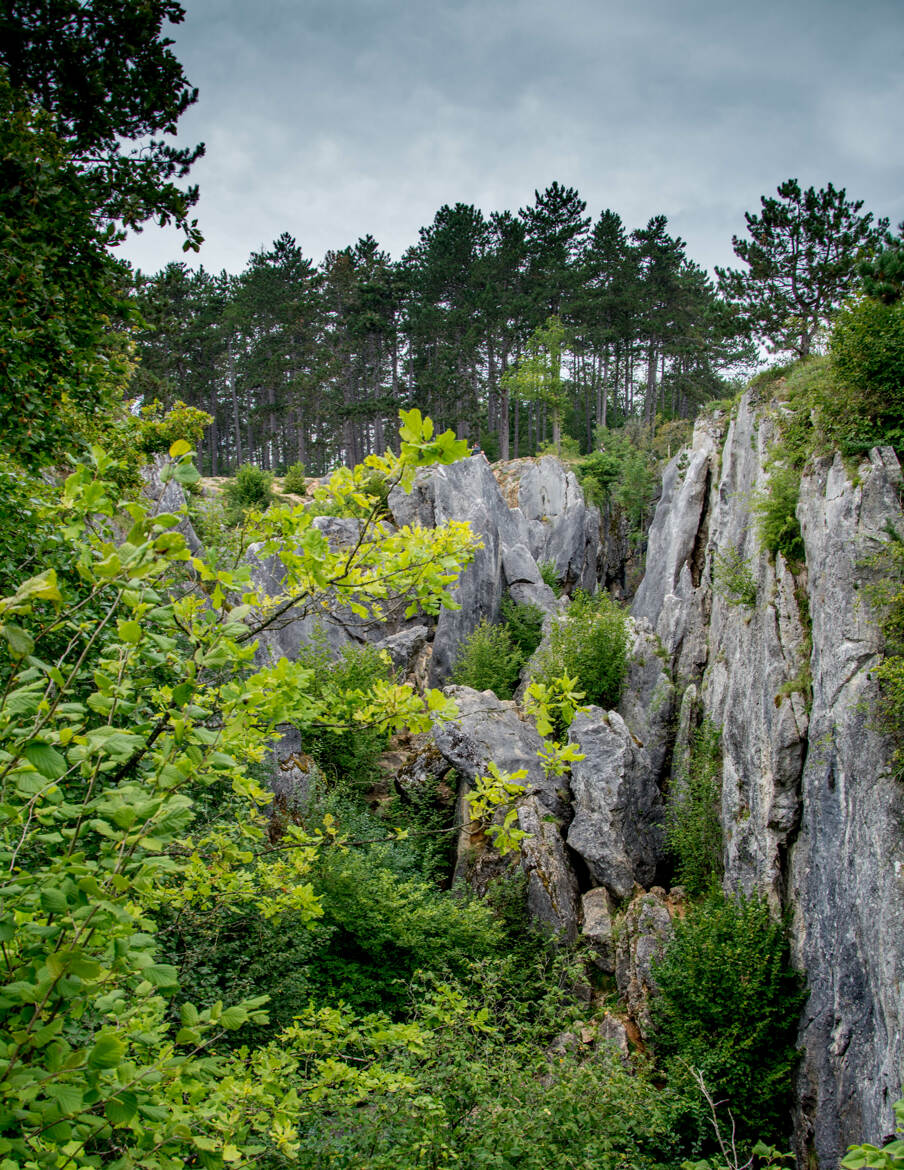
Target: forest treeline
x=298, y=362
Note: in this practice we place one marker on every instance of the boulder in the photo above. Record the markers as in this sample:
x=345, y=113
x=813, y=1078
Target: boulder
x=598, y=911
x=617, y=826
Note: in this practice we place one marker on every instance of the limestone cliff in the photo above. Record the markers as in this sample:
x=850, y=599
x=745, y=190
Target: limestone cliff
x=811, y=813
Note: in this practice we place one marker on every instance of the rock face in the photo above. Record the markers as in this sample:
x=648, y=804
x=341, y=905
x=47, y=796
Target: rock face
x=847, y=865
x=644, y=933
x=618, y=806
x=811, y=815
x=550, y=522
x=486, y=730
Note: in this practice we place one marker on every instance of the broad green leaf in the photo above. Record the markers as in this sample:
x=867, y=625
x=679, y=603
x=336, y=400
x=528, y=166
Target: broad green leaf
x=45, y=759
x=20, y=642
x=107, y=1052
x=122, y=1108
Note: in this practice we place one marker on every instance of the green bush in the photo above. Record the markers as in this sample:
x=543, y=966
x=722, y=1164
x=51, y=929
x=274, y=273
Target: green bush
x=591, y=643
x=776, y=511
x=294, y=480
x=693, y=820
x=550, y=575
x=347, y=755
x=524, y=624
x=489, y=661
x=251, y=487
x=867, y=351
x=733, y=578
x=157, y=431
x=728, y=1005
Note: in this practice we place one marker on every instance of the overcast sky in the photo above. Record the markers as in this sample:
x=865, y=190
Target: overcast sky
x=330, y=119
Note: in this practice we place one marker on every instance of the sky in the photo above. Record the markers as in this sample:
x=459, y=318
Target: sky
x=332, y=119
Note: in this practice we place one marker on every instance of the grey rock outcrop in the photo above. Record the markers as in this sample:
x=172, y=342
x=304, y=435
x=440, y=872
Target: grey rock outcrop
x=552, y=889
x=557, y=525
x=168, y=496
x=598, y=912
x=561, y=527
x=489, y=730
x=811, y=814
x=486, y=730
x=618, y=807
x=643, y=935
x=847, y=865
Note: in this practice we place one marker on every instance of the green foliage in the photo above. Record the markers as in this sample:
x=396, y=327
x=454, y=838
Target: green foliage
x=728, y=1006
x=538, y=376
x=250, y=488
x=622, y=472
x=524, y=623
x=294, y=480
x=867, y=350
x=888, y=1157
x=489, y=660
x=590, y=643
x=776, y=511
x=549, y=573
x=486, y=1097
x=693, y=813
x=733, y=578
x=882, y=273
x=801, y=256
x=61, y=363
x=159, y=429
x=130, y=689
x=348, y=752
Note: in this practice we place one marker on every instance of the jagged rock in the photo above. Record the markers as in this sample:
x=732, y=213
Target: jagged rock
x=618, y=808
x=415, y=767
x=552, y=889
x=490, y=730
x=486, y=730
x=811, y=814
x=669, y=597
x=339, y=627
x=468, y=490
x=291, y=773
x=643, y=935
x=561, y=527
x=168, y=497
x=846, y=886
x=598, y=913
x=404, y=647
x=648, y=695
x=613, y=1031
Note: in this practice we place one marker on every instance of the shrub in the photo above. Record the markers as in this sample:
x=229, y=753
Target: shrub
x=550, y=575
x=733, y=579
x=524, y=624
x=776, y=510
x=867, y=351
x=250, y=488
x=489, y=661
x=728, y=1005
x=294, y=480
x=693, y=821
x=590, y=644
x=157, y=431
x=346, y=755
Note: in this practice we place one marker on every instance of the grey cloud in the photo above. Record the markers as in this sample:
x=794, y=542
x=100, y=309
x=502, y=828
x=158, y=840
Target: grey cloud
x=333, y=118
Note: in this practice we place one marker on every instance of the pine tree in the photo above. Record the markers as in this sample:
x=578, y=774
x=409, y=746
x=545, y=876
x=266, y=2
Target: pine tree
x=801, y=256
